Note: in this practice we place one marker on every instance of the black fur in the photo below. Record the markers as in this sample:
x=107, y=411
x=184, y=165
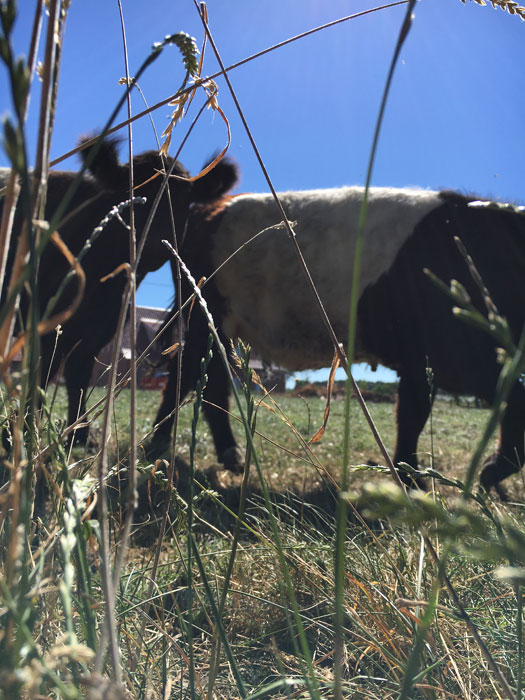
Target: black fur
x=106, y=185
x=406, y=323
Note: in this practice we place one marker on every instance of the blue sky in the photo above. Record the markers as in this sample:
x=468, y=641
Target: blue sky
x=454, y=120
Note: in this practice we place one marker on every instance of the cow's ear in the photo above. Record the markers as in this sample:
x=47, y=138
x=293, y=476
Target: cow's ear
x=217, y=182
x=104, y=165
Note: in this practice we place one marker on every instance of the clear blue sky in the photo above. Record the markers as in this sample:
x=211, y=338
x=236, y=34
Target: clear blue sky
x=455, y=118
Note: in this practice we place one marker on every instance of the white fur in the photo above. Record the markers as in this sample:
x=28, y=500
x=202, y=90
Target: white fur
x=269, y=303
x=4, y=176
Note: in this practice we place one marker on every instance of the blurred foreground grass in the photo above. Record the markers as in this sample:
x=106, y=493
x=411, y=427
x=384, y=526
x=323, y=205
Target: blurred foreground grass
x=389, y=575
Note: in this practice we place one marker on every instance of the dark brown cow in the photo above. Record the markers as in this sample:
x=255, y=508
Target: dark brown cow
x=404, y=321
x=106, y=185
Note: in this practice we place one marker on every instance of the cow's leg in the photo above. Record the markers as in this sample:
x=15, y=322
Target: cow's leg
x=195, y=345
x=216, y=392
x=414, y=401
x=216, y=409
x=77, y=373
x=510, y=455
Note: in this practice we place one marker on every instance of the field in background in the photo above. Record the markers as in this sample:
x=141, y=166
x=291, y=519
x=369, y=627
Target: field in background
x=446, y=443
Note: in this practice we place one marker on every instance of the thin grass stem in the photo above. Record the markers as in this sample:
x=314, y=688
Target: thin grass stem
x=341, y=512
x=305, y=658
x=132, y=324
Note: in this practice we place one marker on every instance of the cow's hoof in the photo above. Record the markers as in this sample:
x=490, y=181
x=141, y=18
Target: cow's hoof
x=157, y=446
x=410, y=480
x=80, y=437
x=487, y=478
x=233, y=459
x=502, y=493
x=491, y=477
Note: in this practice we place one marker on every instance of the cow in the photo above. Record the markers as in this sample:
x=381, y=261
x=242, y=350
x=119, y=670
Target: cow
x=404, y=321
x=106, y=185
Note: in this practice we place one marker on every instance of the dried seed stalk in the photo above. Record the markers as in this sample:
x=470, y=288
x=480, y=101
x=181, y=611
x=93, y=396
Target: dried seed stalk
x=510, y=6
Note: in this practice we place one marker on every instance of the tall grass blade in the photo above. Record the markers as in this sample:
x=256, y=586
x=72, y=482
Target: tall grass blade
x=341, y=512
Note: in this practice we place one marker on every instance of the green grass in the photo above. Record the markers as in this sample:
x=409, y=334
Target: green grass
x=289, y=461
x=385, y=565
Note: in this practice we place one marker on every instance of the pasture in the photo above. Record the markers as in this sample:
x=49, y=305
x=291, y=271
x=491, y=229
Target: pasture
x=447, y=442
x=169, y=643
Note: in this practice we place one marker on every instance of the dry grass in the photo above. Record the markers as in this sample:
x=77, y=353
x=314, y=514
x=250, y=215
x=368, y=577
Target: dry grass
x=512, y=7
x=387, y=574
x=384, y=574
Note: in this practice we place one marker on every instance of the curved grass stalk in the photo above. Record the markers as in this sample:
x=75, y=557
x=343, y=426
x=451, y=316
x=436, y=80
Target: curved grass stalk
x=305, y=658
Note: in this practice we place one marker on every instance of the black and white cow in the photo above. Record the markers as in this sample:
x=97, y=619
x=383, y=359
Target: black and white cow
x=106, y=185
x=404, y=321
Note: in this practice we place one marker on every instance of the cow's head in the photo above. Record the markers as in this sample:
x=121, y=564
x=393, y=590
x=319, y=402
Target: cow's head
x=149, y=170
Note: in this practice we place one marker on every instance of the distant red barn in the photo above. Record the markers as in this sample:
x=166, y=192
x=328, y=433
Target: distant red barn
x=152, y=374
x=149, y=321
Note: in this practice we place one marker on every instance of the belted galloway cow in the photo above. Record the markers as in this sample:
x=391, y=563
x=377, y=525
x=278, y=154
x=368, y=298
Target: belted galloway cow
x=404, y=321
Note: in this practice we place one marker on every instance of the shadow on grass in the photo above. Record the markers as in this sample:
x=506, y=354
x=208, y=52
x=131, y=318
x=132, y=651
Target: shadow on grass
x=217, y=502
